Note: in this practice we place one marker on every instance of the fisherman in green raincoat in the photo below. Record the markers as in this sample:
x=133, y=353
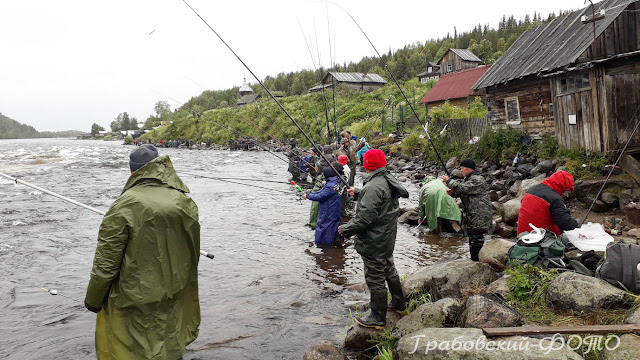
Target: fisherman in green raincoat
x=144, y=281
x=435, y=203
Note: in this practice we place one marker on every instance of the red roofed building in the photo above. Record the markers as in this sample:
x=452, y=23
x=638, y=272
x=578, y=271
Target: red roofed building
x=455, y=87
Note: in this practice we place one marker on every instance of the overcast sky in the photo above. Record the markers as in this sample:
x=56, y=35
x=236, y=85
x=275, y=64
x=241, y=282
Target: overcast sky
x=67, y=64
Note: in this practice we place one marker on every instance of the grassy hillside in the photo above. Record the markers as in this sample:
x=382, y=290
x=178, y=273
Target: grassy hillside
x=11, y=129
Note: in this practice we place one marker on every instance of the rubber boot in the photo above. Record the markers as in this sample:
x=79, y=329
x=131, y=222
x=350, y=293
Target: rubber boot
x=475, y=251
x=377, y=317
x=397, y=298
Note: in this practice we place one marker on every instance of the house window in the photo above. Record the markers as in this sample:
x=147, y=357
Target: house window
x=513, y=110
x=423, y=80
x=551, y=111
x=574, y=83
x=449, y=68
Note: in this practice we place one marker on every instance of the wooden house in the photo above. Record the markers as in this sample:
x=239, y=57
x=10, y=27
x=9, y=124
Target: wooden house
x=455, y=87
x=457, y=60
x=246, y=94
x=431, y=73
x=567, y=77
x=350, y=80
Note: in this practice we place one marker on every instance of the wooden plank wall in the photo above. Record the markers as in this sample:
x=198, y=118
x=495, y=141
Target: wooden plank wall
x=462, y=130
x=456, y=62
x=534, y=96
x=622, y=36
x=624, y=90
x=586, y=132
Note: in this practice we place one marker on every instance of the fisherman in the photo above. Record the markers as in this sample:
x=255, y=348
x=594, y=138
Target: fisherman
x=349, y=150
x=435, y=205
x=144, y=280
x=293, y=164
x=544, y=207
x=343, y=159
x=329, y=207
x=363, y=147
x=375, y=225
x=474, y=193
x=317, y=185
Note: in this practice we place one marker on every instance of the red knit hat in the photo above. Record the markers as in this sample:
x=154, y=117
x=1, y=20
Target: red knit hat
x=374, y=159
x=343, y=159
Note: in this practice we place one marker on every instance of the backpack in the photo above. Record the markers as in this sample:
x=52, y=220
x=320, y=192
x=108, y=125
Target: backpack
x=549, y=249
x=620, y=267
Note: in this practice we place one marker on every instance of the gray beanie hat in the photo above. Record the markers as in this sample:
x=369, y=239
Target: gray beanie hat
x=142, y=155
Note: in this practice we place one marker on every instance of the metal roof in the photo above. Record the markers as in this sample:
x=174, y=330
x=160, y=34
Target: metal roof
x=454, y=85
x=355, y=77
x=465, y=54
x=245, y=88
x=550, y=46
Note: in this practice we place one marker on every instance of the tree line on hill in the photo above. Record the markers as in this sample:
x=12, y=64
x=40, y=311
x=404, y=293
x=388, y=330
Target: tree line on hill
x=11, y=129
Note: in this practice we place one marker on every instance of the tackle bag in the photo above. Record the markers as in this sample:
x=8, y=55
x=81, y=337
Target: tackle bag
x=620, y=267
x=545, y=247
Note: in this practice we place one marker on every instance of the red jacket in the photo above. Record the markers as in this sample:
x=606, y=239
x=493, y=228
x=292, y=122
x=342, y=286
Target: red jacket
x=544, y=207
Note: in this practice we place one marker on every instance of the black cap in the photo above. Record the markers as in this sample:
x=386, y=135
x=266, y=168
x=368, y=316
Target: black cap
x=328, y=172
x=142, y=155
x=468, y=163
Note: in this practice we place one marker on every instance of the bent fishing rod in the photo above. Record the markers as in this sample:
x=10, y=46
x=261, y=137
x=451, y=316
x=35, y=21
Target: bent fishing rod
x=403, y=94
x=239, y=183
x=342, y=179
x=18, y=181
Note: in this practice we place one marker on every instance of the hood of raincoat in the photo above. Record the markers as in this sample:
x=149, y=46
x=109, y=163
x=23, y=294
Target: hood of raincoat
x=157, y=171
x=560, y=182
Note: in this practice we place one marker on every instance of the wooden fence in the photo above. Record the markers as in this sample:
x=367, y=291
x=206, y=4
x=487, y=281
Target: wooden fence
x=462, y=130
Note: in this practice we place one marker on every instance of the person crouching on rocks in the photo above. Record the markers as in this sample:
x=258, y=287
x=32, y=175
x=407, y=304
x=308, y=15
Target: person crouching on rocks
x=474, y=193
x=376, y=225
x=329, y=207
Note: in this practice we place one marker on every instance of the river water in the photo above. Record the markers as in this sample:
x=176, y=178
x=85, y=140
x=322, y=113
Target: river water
x=268, y=294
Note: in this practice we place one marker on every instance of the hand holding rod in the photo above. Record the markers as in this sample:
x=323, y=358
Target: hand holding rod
x=18, y=181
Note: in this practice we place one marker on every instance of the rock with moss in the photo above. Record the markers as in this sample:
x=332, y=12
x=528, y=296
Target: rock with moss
x=360, y=338
x=470, y=343
x=449, y=279
x=497, y=249
x=629, y=348
x=490, y=311
x=429, y=315
x=572, y=291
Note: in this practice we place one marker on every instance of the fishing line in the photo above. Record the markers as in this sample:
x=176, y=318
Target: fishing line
x=18, y=181
x=55, y=292
x=235, y=182
x=342, y=179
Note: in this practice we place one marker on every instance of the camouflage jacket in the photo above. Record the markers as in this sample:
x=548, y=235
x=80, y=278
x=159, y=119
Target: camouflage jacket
x=473, y=190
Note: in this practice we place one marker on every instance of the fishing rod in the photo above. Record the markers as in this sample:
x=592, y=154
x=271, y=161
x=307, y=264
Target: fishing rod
x=403, y=94
x=18, y=181
x=614, y=165
x=342, y=179
x=240, y=179
x=235, y=182
x=333, y=87
x=378, y=117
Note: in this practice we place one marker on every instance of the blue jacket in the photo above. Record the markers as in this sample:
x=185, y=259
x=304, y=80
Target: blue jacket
x=328, y=211
x=361, y=152
x=303, y=165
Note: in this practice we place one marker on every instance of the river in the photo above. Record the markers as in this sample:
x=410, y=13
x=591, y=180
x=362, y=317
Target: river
x=268, y=294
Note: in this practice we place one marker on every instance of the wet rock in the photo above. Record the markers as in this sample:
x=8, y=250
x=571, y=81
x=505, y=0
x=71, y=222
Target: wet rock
x=498, y=185
x=359, y=338
x=323, y=350
x=610, y=199
x=493, y=195
x=497, y=249
x=583, y=187
x=429, y=315
x=526, y=185
x=452, y=163
x=357, y=305
x=629, y=348
x=482, y=311
x=525, y=169
x=448, y=279
x=510, y=211
x=572, y=291
x=410, y=217
x=415, y=346
x=632, y=212
x=515, y=188
x=499, y=287
x=457, y=173
x=508, y=231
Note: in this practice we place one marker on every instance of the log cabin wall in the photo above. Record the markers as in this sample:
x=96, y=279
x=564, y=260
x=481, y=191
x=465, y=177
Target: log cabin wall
x=457, y=64
x=533, y=96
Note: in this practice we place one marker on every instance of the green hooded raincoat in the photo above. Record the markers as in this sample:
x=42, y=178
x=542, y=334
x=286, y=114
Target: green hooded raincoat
x=145, y=270
x=436, y=203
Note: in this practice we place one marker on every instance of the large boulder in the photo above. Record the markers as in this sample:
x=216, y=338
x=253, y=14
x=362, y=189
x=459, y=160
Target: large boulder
x=612, y=200
x=360, y=338
x=499, y=287
x=448, y=279
x=629, y=348
x=526, y=185
x=583, y=187
x=510, y=211
x=452, y=163
x=490, y=311
x=470, y=343
x=430, y=315
x=572, y=291
x=323, y=350
x=497, y=249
